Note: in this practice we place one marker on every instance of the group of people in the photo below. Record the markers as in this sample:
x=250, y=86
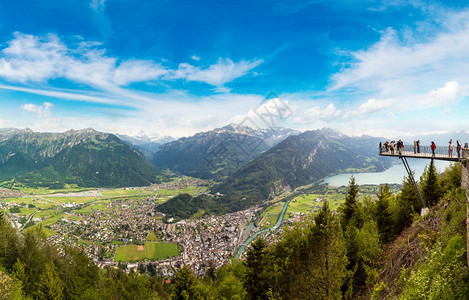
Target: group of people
x=391, y=146
x=399, y=145
x=458, y=148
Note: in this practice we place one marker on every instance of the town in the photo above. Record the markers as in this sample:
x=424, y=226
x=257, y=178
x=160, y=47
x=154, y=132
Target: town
x=204, y=242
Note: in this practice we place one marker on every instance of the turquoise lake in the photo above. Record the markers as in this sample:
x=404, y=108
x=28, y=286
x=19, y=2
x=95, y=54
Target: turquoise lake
x=395, y=174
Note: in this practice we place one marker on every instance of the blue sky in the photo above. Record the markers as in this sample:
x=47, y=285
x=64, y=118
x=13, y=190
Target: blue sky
x=388, y=68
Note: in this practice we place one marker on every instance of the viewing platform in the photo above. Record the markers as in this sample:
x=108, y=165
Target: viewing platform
x=426, y=152
x=441, y=153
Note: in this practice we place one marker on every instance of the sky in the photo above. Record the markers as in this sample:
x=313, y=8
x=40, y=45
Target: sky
x=174, y=68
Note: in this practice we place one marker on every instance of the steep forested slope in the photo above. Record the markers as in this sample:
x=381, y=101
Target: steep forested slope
x=300, y=160
x=85, y=157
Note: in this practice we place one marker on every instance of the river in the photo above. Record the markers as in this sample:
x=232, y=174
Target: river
x=270, y=230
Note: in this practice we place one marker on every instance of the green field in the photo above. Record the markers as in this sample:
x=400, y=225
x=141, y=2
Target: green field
x=156, y=251
x=151, y=237
x=129, y=253
x=152, y=251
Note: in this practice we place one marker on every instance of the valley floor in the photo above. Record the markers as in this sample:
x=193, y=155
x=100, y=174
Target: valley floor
x=114, y=225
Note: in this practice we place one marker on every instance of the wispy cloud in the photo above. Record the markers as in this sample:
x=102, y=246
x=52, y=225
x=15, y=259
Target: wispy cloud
x=371, y=106
x=63, y=94
x=403, y=64
x=35, y=59
x=225, y=70
x=42, y=111
x=317, y=113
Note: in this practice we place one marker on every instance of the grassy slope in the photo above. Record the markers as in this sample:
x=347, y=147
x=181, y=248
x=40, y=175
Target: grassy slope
x=428, y=260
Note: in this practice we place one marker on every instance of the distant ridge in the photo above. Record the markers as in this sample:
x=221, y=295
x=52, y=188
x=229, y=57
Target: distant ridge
x=219, y=152
x=147, y=145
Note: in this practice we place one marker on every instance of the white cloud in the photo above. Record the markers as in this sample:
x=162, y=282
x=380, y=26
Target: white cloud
x=405, y=64
x=441, y=97
x=42, y=111
x=373, y=105
x=31, y=59
x=317, y=113
x=195, y=57
x=37, y=59
x=225, y=70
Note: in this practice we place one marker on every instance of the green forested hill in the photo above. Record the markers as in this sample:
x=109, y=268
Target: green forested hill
x=300, y=160
x=86, y=158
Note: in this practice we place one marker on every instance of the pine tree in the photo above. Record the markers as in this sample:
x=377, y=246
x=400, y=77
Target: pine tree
x=350, y=204
x=451, y=178
x=78, y=273
x=231, y=288
x=185, y=285
x=408, y=204
x=383, y=215
x=9, y=288
x=430, y=185
x=50, y=286
x=35, y=254
x=326, y=271
x=256, y=276
x=8, y=243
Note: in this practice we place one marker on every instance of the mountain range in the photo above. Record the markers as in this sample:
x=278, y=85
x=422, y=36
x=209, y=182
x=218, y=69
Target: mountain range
x=300, y=160
x=249, y=166
x=217, y=153
x=86, y=158
x=297, y=160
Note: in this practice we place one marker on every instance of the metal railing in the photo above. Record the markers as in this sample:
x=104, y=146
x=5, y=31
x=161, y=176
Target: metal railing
x=424, y=151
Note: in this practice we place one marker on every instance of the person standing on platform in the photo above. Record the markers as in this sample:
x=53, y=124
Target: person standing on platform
x=380, y=147
x=415, y=147
x=400, y=145
x=418, y=146
x=450, y=148
x=458, y=148
x=433, y=146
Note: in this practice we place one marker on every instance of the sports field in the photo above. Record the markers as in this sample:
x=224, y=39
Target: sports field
x=151, y=251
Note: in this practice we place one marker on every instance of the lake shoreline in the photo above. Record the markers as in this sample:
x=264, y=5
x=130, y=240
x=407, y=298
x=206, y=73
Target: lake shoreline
x=393, y=175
